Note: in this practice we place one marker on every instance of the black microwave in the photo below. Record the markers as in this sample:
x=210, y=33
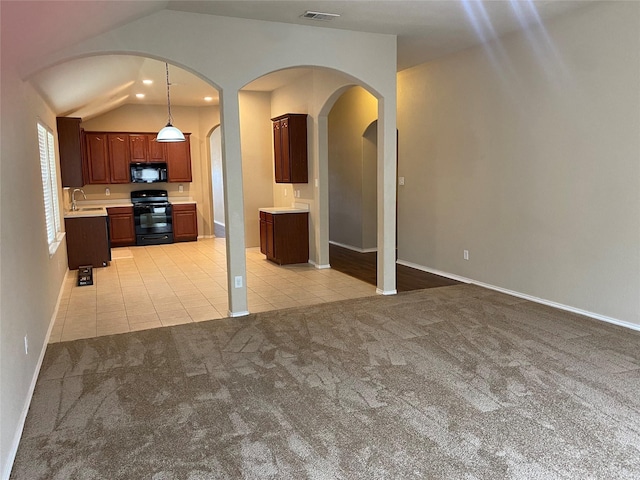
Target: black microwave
x=148, y=172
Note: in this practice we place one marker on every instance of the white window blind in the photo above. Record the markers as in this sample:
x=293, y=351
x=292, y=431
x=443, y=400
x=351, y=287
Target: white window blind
x=49, y=182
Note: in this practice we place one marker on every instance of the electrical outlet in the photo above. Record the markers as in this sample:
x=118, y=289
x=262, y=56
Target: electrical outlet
x=316, y=182
x=238, y=281
x=465, y=254
x=26, y=345
x=107, y=192
x=180, y=188
x=400, y=180
x=285, y=192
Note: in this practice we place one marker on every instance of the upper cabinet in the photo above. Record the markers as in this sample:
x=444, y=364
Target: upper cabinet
x=290, y=148
x=70, y=148
x=179, y=160
x=145, y=149
x=119, y=158
x=109, y=155
x=97, y=158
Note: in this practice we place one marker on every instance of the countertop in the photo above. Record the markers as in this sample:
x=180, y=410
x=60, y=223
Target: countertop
x=86, y=211
x=276, y=210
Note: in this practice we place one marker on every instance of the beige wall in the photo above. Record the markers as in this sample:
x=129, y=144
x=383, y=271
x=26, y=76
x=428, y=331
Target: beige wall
x=257, y=160
x=352, y=181
x=30, y=279
x=527, y=155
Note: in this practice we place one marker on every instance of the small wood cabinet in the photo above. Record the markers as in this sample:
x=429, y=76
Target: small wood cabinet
x=284, y=237
x=70, y=147
x=185, y=222
x=87, y=241
x=121, y=226
x=179, y=160
x=290, y=148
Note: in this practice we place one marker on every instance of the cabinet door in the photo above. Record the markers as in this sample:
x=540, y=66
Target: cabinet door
x=277, y=151
x=122, y=229
x=271, y=254
x=119, y=158
x=157, y=150
x=87, y=242
x=97, y=158
x=285, y=159
x=263, y=234
x=70, y=149
x=138, y=145
x=185, y=222
x=179, y=161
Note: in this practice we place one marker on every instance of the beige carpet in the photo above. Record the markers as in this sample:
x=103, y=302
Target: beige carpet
x=447, y=383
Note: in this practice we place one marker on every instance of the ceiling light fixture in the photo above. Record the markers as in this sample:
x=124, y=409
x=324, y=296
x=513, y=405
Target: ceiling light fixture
x=147, y=82
x=169, y=133
x=208, y=99
x=319, y=15
x=139, y=95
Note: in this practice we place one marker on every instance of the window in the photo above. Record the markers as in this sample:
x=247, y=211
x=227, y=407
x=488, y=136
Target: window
x=49, y=186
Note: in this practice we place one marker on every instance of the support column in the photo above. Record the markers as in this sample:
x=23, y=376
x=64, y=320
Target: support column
x=322, y=194
x=387, y=148
x=233, y=203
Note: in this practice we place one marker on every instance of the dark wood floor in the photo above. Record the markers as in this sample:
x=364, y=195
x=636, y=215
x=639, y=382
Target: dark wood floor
x=363, y=267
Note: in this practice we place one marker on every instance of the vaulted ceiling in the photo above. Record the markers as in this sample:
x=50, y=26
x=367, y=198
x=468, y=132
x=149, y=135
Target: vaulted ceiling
x=426, y=30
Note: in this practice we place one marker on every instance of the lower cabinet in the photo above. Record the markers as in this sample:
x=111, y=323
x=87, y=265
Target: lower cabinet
x=121, y=226
x=87, y=242
x=284, y=237
x=185, y=222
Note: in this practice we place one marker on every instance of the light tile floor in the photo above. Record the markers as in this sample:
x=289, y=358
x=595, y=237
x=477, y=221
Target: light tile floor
x=162, y=285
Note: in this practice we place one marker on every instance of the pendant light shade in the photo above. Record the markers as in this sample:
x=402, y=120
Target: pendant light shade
x=169, y=133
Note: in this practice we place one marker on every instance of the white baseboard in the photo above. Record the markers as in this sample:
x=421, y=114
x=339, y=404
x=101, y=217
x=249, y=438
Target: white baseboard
x=550, y=303
x=386, y=292
x=319, y=267
x=355, y=249
x=32, y=386
x=238, y=314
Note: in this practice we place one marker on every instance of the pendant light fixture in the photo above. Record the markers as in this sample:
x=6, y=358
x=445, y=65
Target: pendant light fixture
x=169, y=133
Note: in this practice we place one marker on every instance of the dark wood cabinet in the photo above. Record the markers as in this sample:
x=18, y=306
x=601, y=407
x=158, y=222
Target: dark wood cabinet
x=179, y=160
x=122, y=231
x=119, y=158
x=185, y=222
x=108, y=156
x=97, y=158
x=284, y=237
x=290, y=148
x=145, y=148
x=70, y=144
x=87, y=242
x=138, y=146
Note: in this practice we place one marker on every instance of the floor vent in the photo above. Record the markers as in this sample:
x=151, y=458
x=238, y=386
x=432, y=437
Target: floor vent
x=319, y=16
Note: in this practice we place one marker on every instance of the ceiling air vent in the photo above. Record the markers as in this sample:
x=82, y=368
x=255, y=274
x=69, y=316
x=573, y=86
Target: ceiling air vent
x=319, y=15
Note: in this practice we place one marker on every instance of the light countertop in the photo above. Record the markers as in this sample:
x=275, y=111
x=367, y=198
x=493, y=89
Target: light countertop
x=86, y=211
x=278, y=210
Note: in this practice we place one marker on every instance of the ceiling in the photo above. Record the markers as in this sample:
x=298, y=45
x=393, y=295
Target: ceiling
x=426, y=30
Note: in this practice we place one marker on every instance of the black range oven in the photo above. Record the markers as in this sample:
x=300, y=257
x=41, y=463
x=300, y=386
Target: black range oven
x=152, y=215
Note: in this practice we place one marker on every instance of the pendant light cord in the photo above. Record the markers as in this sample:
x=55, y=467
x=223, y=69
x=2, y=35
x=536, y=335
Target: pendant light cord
x=168, y=98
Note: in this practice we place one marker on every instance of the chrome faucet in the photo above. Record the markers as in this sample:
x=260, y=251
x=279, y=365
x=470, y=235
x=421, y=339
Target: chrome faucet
x=74, y=205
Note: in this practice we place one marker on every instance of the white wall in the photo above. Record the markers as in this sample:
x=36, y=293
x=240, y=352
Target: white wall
x=527, y=155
